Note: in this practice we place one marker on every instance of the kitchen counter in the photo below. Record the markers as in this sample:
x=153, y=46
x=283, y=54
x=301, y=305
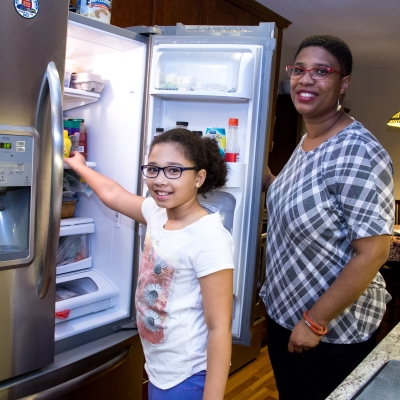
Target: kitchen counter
x=387, y=349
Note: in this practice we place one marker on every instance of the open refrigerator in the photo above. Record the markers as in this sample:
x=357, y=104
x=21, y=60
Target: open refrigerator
x=152, y=78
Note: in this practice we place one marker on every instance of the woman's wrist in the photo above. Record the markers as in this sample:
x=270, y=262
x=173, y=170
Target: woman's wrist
x=319, y=330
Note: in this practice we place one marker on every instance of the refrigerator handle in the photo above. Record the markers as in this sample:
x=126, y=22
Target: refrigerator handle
x=74, y=383
x=51, y=84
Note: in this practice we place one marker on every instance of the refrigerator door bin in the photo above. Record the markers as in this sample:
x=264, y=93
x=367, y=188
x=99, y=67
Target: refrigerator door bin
x=221, y=71
x=222, y=202
x=236, y=175
x=81, y=294
x=73, y=251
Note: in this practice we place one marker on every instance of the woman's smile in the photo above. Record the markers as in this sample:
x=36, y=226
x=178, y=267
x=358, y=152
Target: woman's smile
x=305, y=95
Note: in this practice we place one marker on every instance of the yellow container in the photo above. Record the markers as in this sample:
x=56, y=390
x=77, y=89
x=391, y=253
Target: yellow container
x=67, y=144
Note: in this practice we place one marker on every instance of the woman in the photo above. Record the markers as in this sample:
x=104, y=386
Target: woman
x=331, y=214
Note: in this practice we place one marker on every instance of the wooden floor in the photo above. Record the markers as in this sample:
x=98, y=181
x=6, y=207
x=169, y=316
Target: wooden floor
x=255, y=381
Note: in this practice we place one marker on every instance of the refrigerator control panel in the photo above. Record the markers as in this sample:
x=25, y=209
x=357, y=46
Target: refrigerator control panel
x=16, y=157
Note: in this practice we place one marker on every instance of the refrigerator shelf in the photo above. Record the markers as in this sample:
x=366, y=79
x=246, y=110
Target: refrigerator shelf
x=74, y=98
x=90, y=164
x=201, y=95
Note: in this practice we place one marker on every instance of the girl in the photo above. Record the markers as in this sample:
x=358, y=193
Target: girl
x=184, y=292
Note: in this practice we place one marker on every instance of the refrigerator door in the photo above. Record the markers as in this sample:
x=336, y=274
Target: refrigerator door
x=32, y=51
x=114, y=134
x=205, y=75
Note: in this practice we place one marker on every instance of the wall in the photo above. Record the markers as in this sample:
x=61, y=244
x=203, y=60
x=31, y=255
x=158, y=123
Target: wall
x=373, y=97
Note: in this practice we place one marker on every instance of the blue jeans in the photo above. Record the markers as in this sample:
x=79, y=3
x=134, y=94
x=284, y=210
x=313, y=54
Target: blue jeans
x=191, y=388
x=312, y=374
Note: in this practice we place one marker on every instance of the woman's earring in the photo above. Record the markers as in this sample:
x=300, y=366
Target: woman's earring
x=339, y=106
x=197, y=185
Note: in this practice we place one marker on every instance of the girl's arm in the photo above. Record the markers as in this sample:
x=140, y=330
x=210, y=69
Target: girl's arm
x=217, y=293
x=111, y=193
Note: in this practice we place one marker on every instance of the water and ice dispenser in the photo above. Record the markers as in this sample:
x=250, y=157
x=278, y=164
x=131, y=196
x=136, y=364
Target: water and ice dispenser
x=18, y=146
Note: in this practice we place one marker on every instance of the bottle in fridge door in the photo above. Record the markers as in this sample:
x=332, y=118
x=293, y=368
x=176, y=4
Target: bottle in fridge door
x=232, y=145
x=83, y=142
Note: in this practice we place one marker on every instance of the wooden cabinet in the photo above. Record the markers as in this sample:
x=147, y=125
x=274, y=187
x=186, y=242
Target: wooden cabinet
x=194, y=12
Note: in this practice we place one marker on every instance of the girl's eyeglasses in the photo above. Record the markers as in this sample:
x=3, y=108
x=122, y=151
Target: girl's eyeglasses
x=317, y=73
x=171, y=172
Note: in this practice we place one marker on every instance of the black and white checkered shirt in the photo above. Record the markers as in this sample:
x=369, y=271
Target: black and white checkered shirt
x=321, y=201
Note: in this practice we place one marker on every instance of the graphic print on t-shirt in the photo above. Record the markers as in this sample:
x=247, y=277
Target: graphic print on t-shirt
x=153, y=289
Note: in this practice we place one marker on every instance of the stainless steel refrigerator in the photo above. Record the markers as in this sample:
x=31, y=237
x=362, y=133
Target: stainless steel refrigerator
x=68, y=328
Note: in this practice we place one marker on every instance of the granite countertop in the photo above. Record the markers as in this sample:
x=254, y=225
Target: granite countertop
x=387, y=349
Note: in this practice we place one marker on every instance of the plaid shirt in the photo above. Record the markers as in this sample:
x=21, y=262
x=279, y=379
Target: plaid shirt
x=321, y=201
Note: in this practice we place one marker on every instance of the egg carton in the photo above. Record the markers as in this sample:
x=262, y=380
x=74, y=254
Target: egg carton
x=87, y=81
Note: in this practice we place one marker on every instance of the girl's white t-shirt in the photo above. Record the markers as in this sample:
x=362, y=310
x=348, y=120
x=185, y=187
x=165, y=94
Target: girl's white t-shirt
x=169, y=309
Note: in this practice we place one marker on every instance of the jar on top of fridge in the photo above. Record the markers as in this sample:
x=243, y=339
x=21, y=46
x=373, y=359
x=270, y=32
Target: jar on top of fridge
x=99, y=10
x=182, y=124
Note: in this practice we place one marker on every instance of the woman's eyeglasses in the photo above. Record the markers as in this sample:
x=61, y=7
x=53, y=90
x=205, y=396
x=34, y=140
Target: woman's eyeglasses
x=317, y=73
x=172, y=172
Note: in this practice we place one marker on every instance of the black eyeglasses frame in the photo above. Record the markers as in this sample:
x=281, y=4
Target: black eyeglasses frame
x=163, y=170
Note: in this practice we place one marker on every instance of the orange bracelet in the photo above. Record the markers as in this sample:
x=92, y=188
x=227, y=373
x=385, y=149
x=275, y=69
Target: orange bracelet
x=317, y=329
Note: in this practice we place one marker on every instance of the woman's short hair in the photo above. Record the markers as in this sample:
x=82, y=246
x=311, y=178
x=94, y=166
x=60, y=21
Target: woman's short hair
x=203, y=152
x=332, y=44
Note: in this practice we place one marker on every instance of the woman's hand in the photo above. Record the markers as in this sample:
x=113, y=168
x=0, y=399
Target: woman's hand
x=302, y=338
x=267, y=179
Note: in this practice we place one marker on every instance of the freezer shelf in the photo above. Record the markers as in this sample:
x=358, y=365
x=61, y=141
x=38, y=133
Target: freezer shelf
x=83, y=293
x=221, y=72
x=90, y=164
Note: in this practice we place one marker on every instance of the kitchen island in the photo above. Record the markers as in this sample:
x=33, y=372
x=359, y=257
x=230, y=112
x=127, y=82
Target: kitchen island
x=387, y=349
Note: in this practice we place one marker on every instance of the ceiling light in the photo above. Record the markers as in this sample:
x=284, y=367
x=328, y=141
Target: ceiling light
x=395, y=120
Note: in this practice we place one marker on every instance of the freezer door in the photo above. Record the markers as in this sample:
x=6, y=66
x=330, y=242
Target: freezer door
x=108, y=368
x=32, y=49
x=205, y=75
